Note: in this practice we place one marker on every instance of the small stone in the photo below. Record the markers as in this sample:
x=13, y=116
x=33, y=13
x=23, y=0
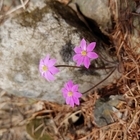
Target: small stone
x=104, y=108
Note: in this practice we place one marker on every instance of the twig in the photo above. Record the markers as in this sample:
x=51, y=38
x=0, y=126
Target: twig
x=1, y=4
x=135, y=119
x=23, y=5
x=18, y=7
x=119, y=48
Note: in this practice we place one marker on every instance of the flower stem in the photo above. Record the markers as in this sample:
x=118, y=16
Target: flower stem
x=100, y=81
x=91, y=67
x=67, y=66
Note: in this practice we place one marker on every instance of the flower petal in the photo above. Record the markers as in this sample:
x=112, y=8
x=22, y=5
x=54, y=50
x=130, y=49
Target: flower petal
x=71, y=103
x=43, y=74
x=66, y=86
x=46, y=59
x=49, y=76
x=76, y=100
x=77, y=57
x=51, y=62
x=92, y=55
x=64, y=91
x=41, y=62
x=40, y=68
x=91, y=46
x=70, y=84
x=86, y=62
x=80, y=61
x=77, y=94
x=54, y=70
x=83, y=44
x=69, y=100
x=74, y=88
x=77, y=49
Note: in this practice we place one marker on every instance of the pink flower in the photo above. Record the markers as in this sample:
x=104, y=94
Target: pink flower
x=47, y=68
x=71, y=93
x=84, y=53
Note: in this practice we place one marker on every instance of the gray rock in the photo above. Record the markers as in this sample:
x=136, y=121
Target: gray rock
x=99, y=11
x=105, y=108
x=41, y=30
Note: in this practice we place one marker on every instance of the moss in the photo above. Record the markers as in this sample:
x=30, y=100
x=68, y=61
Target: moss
x=30, y=19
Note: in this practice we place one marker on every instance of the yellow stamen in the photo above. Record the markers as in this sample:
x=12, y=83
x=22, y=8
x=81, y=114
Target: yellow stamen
x=84, y=53
x=44, y=68
x=70, y=93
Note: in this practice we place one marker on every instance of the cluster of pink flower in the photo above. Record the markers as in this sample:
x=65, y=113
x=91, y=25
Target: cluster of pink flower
x=84, y=54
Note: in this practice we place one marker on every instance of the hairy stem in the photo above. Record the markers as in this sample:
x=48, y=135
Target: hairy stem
x=70, y=66
x=91, y=67
x=100, y=81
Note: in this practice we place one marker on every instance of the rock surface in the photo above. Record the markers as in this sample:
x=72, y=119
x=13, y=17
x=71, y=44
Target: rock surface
x=42, y=30
x=99, y=11
x=104, y=108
